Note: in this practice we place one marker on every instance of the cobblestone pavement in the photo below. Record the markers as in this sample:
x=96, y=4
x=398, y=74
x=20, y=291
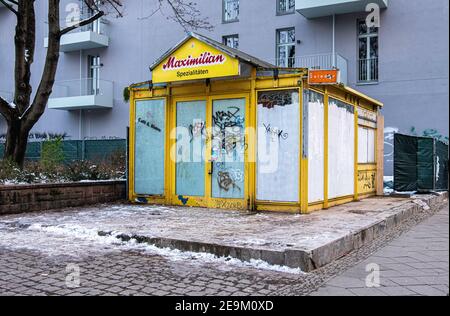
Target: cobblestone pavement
x=36, y=263
x=417, y=263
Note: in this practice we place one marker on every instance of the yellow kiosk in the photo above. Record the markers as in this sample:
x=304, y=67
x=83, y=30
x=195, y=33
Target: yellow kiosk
x=218, y=128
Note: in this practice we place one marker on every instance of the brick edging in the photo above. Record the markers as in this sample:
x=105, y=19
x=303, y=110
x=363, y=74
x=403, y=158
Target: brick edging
x=16, y=199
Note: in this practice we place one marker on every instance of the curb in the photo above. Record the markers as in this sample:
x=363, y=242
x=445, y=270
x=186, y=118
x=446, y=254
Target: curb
x=306, y=260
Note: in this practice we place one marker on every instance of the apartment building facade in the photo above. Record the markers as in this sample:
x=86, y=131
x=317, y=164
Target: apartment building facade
x=403, y=62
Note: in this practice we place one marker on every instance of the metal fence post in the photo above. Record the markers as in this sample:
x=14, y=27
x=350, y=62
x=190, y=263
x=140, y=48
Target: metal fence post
x=83, y=149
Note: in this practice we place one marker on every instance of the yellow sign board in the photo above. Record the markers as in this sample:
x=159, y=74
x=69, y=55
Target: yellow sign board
x=195, y=60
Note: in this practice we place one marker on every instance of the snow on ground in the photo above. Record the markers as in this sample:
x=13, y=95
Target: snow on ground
x=63, y=234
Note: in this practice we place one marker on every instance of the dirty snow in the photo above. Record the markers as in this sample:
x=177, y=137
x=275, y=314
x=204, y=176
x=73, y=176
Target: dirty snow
x=75, y=232
x=77, y=241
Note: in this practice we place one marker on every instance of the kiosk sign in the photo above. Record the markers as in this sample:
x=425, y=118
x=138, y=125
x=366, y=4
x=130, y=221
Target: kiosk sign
x=195, y=60
x=319, y=76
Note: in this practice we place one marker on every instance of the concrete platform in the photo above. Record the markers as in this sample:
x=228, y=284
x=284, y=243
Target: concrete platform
x=297, y=241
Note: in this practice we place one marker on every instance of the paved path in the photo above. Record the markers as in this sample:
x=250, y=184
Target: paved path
x=416, y=263
x=42, y=260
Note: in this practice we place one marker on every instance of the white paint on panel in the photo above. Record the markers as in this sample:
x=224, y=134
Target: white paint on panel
x=341, y=135
x=362, y=144
x=366, y=145
x=278, y=152
x=316, y=151
x=371, y=140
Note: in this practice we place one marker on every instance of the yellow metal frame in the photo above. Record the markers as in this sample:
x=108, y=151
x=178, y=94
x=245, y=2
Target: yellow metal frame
x=247, y=88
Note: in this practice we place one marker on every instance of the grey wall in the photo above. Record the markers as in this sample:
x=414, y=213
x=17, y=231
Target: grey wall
x=413, y=58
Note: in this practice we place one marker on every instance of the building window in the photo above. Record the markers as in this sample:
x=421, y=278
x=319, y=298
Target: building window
x=367, y=53
x=231, y=41
x=230, y=10
x=286, y=47
x=285, y=6
x=93, y=84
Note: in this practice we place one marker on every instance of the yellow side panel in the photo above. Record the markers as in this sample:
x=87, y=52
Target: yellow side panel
x=367, y=179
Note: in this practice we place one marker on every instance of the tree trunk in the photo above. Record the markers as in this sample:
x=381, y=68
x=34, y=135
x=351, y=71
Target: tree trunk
x=16, y=142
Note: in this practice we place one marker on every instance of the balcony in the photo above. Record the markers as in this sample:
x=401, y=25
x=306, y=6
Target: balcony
x=82, y=94
x=94, y=35
x=319, y=61
x=319, y=8
x=325, y=62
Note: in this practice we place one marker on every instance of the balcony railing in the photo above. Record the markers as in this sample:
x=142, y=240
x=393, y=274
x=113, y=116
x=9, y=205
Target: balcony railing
x=79, y=94
x=368, y=70
x=93, y=35
x=318, y=61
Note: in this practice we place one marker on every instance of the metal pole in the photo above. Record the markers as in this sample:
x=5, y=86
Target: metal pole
x=334, y=41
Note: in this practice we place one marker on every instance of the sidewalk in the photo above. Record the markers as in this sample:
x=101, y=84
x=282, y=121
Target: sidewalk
x=417, y=263
x=307, y=242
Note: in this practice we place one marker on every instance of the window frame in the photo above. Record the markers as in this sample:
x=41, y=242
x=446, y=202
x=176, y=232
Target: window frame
x=225, y=37
x=279, y=12
x=224, y=20
x=278, y=44
x=367, y=37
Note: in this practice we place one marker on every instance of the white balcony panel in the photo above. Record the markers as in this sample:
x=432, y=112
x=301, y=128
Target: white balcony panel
x=87, y=102
x=320, y=8
x=81, y=40
x=82, y=94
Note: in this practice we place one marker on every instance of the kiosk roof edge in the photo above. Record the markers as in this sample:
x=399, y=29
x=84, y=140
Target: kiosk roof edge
x=219, y=46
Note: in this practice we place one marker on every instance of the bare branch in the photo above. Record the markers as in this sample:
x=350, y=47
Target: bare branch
x=97, y=6
x=187, y=15
x=5, y=109
x=9, y=6
x=97, y=16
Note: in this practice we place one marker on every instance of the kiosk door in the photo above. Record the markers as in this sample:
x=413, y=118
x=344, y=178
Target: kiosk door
x=211, y=153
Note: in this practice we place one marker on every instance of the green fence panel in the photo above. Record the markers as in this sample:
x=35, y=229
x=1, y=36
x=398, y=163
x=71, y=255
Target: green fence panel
x=33, y=151
x=97, y=150
x=72, y=150
x=405, y=163
x=94, y=150
x=425, y=164
x=441, y=166
x=420, y=164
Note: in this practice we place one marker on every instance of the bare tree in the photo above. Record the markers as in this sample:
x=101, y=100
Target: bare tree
x=23, y=113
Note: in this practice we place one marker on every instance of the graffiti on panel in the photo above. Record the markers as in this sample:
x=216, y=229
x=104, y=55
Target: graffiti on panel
x=389, y=133
x=228, y=135
x=366, y=181
x=226, y=181
x=275, y=132
x=430, y=132
x=148, y=122
x=197, y=129
x=271, y=99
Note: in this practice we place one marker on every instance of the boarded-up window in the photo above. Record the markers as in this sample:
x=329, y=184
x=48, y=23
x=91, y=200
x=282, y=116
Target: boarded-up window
x=314, y=113
x=366, y=145
x=278, y=146
x=149, y=147
x=341, y=149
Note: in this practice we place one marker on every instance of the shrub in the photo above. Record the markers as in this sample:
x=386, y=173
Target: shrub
x=52, y=155
x=8, y=170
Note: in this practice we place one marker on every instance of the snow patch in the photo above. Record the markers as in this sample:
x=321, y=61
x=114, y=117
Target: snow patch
x=92, y=236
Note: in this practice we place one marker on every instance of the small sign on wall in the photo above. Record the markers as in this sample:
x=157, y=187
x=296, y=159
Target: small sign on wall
x=320, y=76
